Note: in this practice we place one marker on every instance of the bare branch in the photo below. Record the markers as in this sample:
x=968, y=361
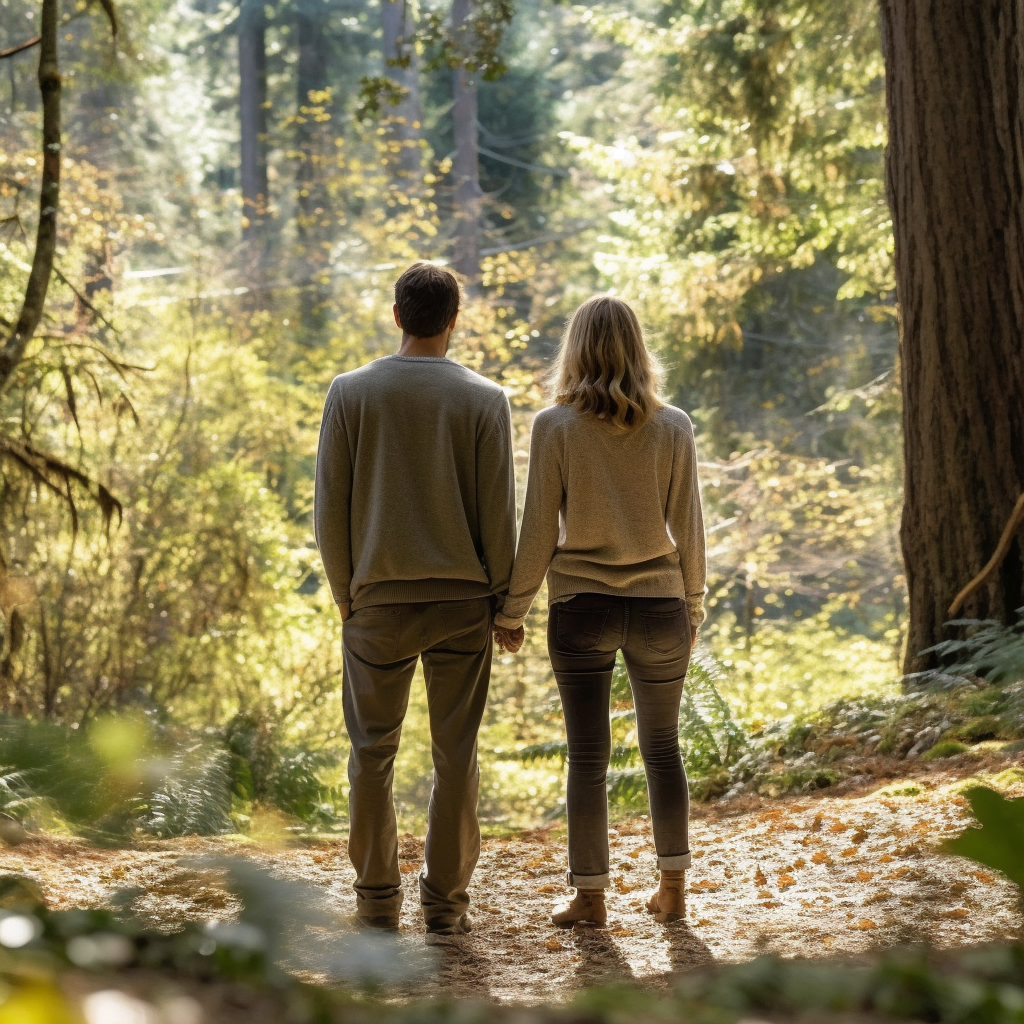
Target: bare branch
x=1013, y=524
x=21, y=47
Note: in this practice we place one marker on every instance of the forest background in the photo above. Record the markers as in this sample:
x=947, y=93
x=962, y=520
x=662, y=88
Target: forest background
x=241, y=186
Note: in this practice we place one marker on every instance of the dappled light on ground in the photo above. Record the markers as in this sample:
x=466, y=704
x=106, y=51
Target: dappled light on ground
x=806, y=876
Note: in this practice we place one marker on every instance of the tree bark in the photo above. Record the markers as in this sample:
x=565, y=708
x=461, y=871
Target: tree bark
x=49, y=197
x=467, y=195
x=404, y=120
x=955, y=179
x=313, y=200
x=252, y=98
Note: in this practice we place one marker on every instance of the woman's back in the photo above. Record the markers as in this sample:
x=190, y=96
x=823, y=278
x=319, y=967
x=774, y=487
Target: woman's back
x=610, y=510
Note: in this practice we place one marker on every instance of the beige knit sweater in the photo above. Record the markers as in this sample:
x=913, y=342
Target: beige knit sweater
x=415, y=490
x=610, y=512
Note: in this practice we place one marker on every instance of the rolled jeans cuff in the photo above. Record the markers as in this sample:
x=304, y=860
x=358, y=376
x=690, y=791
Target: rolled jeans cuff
x=587, y=881
x=681, y=862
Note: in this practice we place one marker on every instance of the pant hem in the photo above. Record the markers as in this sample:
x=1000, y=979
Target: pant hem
x=587, y=881
x=678, y=863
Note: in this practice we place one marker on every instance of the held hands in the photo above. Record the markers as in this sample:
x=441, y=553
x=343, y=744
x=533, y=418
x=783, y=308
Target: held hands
x=509, y=641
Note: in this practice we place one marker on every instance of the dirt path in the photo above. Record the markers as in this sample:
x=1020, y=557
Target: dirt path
x=798, y=877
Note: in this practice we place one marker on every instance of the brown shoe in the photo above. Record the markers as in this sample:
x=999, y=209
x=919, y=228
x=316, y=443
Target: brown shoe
x=669, y=902
x=586, y=907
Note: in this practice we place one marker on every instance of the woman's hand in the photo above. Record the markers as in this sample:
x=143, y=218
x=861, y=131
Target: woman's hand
x=509, y=641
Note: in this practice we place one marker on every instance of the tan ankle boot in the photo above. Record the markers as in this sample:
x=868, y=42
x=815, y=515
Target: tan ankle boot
x=669, y=902
x=586, y=907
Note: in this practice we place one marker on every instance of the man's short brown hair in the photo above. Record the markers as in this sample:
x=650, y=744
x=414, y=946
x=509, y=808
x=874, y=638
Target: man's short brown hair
x=427, y=297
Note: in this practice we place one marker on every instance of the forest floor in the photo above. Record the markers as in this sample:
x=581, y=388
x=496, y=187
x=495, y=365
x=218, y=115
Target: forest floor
x=821, y=875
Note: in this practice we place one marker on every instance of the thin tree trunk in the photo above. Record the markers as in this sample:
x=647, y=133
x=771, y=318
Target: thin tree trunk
x=312, y=198
x=400, y=64
x=955, y=176
x=49, y=197
x=252, y=97
x=465, y=165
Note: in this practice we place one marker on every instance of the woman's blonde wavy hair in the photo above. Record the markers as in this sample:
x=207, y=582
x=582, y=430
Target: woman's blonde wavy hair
x=604, y=366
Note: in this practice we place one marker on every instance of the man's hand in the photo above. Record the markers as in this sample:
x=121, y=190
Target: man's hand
x=345, y=609
x=509, y=641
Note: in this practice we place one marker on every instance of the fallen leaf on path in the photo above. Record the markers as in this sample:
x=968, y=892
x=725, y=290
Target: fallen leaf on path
x=821, y=857
x=759, y=876
x=865, y=924
x=785, y=881
x=865, y=876
x=706, y=885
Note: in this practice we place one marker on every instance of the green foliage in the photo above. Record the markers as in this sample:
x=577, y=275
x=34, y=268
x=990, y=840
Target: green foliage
x=947, y=748
x=123, y=775
x=194, y=798
x=999, y=841
x=988, y=649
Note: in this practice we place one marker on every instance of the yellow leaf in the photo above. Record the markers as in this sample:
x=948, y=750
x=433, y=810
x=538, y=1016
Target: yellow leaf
x=864, y=876
x=785, y=881
x=759, y=876
x=821, y=857
x=850, y=851
x=865, y=924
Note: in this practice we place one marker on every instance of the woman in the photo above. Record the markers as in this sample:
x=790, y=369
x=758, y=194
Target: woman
x=613, y=518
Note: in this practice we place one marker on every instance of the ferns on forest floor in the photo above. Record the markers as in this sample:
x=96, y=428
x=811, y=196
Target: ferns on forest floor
x=988, y=649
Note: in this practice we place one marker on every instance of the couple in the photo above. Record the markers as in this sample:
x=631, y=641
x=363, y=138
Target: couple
x=415, y=518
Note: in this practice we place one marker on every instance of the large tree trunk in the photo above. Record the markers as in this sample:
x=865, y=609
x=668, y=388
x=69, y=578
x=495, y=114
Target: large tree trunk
x=465, y=165
x=955, y=173
x=49, y=197
x=400, y=64
x=252, y=98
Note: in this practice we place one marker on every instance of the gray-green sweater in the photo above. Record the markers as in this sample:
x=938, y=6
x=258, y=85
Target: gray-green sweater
x=415, y=490
x=610, y=512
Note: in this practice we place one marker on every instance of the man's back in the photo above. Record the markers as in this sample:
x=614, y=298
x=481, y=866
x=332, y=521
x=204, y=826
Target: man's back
x=415, y=496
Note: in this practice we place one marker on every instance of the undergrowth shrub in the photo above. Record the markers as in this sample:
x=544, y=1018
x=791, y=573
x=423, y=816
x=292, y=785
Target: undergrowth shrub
x=988, y=649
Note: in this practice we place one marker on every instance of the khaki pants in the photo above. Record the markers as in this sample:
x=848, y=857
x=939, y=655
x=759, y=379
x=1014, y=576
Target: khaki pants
x=381, y=646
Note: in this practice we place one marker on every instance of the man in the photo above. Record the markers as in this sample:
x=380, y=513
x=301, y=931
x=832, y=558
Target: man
x=415, y=519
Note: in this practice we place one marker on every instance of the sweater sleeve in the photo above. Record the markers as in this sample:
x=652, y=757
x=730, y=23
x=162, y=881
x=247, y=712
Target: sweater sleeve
x=685, y=522
x=332, y=499
x=496, y=496
x=538, y=538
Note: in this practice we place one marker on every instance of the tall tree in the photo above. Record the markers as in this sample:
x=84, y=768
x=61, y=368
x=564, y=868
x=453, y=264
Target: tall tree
x=312, y=107
x=252, y=98
x=955, y=164
x=49, y=196
x=467, y=194
x=399, y=31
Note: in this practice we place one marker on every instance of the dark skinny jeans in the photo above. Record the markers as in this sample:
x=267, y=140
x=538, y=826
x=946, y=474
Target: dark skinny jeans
x=654, y=635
